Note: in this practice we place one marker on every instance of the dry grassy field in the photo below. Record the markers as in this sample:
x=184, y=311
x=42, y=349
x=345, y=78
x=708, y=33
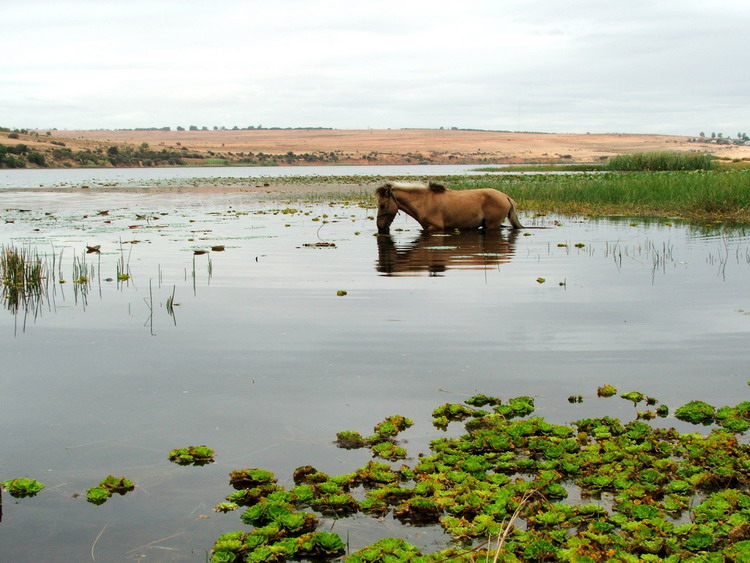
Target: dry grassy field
x=397, y=146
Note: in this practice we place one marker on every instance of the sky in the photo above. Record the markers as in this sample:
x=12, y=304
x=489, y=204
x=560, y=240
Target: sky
x=560, y=66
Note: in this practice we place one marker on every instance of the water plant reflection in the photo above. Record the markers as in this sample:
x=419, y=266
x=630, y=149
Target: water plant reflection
x=435, y=254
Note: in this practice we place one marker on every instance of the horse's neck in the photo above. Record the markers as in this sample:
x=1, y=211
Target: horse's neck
x=413, y=203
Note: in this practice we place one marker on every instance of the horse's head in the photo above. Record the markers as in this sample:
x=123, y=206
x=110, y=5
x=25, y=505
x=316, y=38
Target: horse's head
x=387, y=208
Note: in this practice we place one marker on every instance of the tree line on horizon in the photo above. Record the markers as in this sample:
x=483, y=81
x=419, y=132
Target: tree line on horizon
x=20, y=155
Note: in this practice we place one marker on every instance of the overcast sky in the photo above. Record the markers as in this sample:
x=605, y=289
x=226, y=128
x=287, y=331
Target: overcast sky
x=599, y=66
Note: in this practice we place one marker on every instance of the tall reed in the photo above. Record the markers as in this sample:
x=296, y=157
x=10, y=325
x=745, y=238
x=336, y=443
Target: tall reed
x=23, y=276
x=701, y=194
x=661, y=161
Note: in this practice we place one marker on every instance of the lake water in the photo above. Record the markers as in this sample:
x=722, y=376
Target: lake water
x=262, y=361
x=148, y=177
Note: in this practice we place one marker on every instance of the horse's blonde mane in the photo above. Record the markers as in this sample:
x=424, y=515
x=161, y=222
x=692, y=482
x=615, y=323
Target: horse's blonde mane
x=408, y=185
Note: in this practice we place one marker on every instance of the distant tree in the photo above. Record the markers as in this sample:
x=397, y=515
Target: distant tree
x=194, y=127
x=702, y=134
x=180, y=128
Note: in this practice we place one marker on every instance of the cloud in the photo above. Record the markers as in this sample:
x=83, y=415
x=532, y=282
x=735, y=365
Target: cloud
x=669, y=67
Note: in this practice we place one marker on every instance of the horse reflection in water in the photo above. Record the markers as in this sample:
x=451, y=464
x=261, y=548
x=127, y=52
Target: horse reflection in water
x=435, y=254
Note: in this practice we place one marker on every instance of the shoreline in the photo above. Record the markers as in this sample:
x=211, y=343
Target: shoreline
x=301, y=147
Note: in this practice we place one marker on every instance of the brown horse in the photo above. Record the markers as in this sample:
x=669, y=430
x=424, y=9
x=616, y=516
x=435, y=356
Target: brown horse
x=436, y=208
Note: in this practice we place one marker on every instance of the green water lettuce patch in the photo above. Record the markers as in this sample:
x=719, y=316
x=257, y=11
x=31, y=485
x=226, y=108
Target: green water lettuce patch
x=107, y=487
x=22, y=487
x=502, y=491
x=696, y=412
x=192, y=455
x=382, y=443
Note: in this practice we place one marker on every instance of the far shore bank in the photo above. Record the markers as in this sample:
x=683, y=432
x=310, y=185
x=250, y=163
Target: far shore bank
x=299, y=147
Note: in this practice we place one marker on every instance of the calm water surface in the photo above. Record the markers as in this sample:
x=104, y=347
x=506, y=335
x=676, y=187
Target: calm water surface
x=263, y=362
x=139, y=177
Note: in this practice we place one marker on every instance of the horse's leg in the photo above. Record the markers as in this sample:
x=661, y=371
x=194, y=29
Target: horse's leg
x=493, y=218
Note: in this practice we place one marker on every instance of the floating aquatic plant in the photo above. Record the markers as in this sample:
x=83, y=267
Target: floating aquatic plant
x=192, y=455
x=392, y=425
x=635, y=396
x=388, y=450
x=249, y=478
x=109, y=486
x=97, y=495
x=510, y=466
x=22, y=487
x=482, y=400
x=696, y=412
x=606, y=390
x=350, y=440
x=382, y=441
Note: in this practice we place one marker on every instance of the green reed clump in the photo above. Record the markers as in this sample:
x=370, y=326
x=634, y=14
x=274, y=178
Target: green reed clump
x=22, y=273
x=21, y=268
x=723, y=194
x=661, y=161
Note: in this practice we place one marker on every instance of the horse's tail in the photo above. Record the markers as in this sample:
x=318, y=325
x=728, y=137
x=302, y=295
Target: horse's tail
x=513, y=216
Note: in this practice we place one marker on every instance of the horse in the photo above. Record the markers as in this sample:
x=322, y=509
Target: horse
x=437, y=208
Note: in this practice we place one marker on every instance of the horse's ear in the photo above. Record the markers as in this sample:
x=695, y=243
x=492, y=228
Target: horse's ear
x=384, y=190
x=436, y=188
